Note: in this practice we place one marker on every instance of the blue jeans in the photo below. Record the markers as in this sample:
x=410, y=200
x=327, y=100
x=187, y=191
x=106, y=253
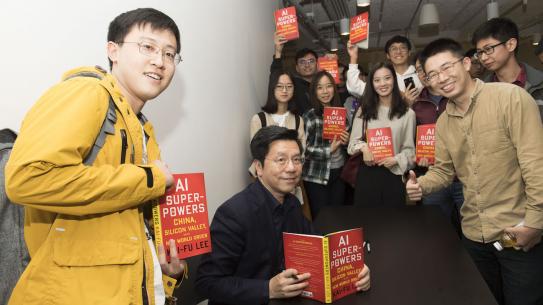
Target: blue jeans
x=450, y=199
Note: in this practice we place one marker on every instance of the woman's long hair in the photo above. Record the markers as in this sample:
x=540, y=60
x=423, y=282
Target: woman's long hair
x=370, y=98
x=335, y=102
x=271, y=102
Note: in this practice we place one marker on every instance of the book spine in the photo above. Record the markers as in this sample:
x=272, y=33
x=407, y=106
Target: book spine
x=326, y=271
x=157, y=223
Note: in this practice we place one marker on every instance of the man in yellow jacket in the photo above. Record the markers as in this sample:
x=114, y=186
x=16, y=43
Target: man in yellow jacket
x=84, y=225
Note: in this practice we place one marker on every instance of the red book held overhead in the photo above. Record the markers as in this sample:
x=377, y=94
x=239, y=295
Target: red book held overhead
x=286, y=23
x=380, y=143
x=426, y=142
x=330, y=65
x=333, y=122
x=334, y=261
x=181, y=215
x=359, y=28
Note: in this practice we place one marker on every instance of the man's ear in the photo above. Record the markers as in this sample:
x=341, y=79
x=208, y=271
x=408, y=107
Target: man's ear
x=511, y=44
x=258, y=167
x=112, y=51
x=466, y=62
x=388, y=56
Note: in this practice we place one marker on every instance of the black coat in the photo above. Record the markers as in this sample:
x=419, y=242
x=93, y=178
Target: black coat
x=247, y=247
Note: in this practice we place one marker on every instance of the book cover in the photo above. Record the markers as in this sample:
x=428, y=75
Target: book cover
x=334, y=261
x=426, y=142
x=181, y=215
x=330, y=65
x=286, y=23
x=333, y=122
x=359, y=28
x=380, y=143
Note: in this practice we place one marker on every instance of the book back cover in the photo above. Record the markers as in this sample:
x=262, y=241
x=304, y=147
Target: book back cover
x=329, y=65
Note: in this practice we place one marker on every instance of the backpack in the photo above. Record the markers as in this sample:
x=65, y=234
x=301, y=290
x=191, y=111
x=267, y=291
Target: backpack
x=262, y=117
x=13, y=254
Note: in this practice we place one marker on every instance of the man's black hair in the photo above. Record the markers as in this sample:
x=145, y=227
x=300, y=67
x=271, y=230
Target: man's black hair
x=303, y=52
x=263, y=138
x=439, y=46
x=398, y=39
x=122, y=24
x=7, y=136
x=501, y=29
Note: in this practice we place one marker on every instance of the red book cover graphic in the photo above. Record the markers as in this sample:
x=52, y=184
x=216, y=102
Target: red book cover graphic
x=329, y=65
x=334, y=261
x=359, y=28
x=181, y=215
x=426, y=142
x=286, y=23
x=380, y=143
x=333, y=122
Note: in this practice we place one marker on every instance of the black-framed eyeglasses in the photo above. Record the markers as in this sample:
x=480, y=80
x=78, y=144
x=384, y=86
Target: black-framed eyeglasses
x=446, y=69
x=306, y=62
x=150, y=49
x=487, y=50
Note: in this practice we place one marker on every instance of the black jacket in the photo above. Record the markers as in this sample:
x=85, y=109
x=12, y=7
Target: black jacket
x=247, y=250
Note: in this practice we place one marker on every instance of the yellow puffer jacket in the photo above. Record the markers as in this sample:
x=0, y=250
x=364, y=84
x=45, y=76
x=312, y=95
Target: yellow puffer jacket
x=84, y=224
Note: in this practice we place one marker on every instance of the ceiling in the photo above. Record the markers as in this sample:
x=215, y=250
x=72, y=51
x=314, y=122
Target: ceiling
x=458, y=19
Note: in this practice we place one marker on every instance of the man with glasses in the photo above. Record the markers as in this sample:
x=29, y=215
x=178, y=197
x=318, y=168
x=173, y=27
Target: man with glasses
x=247, y=264
x=84, y=226
x=497, y=46
x=491, y=137
x=428, y=107
x=398, y=50
x=306, y=67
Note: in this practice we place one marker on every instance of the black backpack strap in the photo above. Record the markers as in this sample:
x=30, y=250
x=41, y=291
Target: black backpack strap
x=297, y=118
x=262, y=117
x=108, y=127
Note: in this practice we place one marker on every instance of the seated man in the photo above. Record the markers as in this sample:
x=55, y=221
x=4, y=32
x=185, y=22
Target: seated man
x=246, y=265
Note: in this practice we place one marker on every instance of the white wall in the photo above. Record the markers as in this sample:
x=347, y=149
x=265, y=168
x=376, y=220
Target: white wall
x=201, y=120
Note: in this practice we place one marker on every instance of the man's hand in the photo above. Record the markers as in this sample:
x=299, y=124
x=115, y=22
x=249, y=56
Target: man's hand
x=526, y=237
x=288, y=284
x=414, y=191
x=176, y=266
x=423, y=162
x=279, y=42
x=387, y=162
x=352, y=49
x=411, y=94
x=363, y=283
x=165, y=171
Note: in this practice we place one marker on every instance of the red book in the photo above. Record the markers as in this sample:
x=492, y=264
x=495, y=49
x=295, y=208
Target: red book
x=181, y=215
x=333, y=122
x=334, y=261
x=330, y=66
x=380, y=143
x=286, y=23
x=426, y=142
x=359, y=28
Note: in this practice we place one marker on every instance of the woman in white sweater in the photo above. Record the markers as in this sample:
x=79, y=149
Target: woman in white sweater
x=379, y=182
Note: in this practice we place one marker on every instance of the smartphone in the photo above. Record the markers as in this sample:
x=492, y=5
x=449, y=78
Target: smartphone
x=409, y=80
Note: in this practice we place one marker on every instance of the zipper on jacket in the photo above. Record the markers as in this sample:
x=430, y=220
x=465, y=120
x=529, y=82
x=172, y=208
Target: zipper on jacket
x=124, y=144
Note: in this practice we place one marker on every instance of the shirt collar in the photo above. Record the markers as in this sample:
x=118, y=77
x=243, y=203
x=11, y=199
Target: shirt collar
x=521, y=77
x=272, y=202
x=451, y=106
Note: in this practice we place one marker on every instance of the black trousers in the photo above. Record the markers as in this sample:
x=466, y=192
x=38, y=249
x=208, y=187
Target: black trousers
x=376, y=186
x=320, y=195
x=514, y=277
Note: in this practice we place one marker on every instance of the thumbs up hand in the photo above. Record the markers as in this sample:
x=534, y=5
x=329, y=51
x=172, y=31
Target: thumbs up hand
x=414, y=191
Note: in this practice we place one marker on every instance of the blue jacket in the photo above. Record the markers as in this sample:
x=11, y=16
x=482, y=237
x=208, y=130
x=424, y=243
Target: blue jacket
x=247, y=250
